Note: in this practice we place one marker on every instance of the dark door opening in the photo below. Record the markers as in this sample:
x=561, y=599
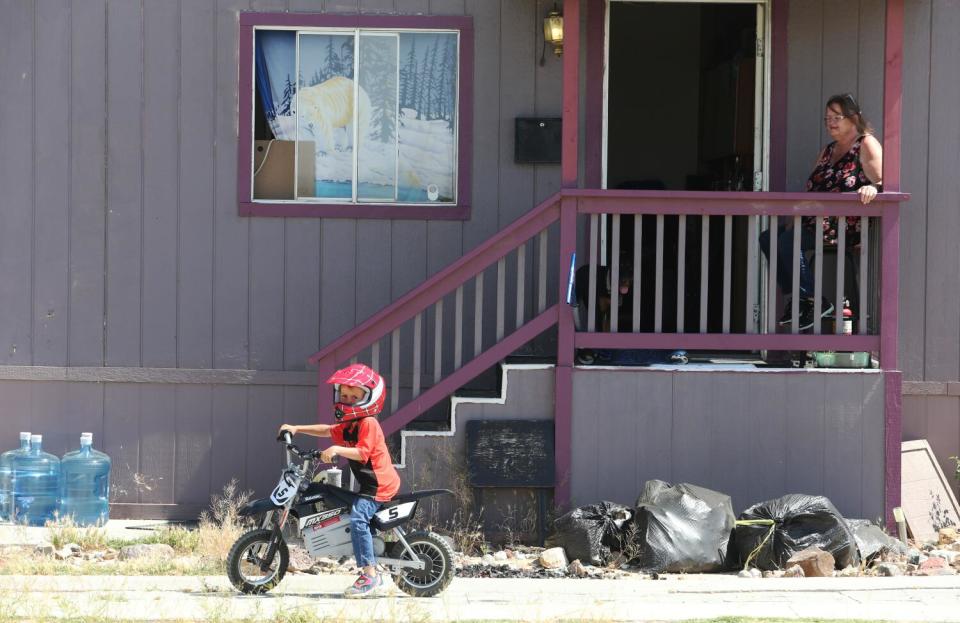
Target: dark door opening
x=680, y=116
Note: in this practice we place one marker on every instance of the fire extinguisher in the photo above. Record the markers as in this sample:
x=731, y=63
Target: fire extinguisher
x=847, y=318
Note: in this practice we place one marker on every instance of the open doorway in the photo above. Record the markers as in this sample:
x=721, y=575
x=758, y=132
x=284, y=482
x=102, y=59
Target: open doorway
x=681, y=96
x=684, y=104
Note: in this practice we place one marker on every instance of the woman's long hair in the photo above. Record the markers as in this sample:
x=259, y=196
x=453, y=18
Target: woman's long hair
x=851, y=109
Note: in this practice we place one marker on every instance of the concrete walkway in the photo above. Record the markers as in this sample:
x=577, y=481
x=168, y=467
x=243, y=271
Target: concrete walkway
x=308, y=598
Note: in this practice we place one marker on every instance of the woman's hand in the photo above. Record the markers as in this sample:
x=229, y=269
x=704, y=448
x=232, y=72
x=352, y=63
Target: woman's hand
x=867, y=193
x=289, y=427
x=328, y=455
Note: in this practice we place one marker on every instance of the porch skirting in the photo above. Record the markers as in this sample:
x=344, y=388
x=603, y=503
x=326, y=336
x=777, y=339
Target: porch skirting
x=754, y=435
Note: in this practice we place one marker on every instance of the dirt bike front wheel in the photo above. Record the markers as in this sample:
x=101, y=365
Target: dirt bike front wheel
x=438, y=569
x=246, y=559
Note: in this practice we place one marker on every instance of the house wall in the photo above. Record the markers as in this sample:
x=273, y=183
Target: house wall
x=122, y=255
x=838, y=46
x=753, y=435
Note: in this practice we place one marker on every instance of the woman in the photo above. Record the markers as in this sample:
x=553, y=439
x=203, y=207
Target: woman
x=853, y=161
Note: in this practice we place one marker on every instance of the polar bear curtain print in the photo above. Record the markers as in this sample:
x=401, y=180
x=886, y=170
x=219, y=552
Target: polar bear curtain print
x=374, y=112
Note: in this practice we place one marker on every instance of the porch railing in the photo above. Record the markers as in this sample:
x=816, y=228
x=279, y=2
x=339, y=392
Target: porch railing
x=493, y=300
x=508, y=290
x=709, y=294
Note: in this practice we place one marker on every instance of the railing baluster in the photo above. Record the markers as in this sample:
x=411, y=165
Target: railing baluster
x=727, y=263
x=750, y=319
x=615, y=274
x=417, y=355
x=795, y=279
x=637, y=268
x=704, y=269
x=818, y=277
x=772, y=277
x=478, y=315
x=681, y=270
x=592, y=282
x=841, y=269
x=521, y=278
x=501, y=294
x=542, y=272
x=458, y=329
x=438, y=341
x=394, y=369
x=864, y=266
x=658, y=295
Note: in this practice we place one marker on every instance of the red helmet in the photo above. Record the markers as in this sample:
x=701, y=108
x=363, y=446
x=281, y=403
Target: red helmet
x=374, y=392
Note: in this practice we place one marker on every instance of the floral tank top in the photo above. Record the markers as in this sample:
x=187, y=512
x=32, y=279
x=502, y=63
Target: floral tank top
x=844, y=175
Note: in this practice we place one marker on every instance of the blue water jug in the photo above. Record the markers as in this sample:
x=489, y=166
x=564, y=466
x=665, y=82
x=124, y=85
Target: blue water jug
x=6, y=476
x=85, y=484
x=36, y=485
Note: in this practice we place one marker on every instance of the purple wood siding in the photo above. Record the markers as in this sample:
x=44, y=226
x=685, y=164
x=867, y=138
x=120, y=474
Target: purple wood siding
x=753, y=435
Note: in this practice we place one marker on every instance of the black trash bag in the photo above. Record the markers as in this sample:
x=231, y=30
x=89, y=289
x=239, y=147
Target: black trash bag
x=872, y=540
x=800, y=521
x=590, y=533
x=681, y=529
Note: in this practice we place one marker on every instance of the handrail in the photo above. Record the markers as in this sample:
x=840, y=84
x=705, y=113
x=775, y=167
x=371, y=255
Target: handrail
x=443, y=283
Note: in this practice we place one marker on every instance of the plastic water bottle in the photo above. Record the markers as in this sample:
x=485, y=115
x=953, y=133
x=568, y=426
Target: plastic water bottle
x=36, y=485
x=6, y=477
x=85, y=484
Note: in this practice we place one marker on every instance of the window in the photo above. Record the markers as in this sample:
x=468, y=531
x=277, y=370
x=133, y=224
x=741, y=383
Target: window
x=355, y=116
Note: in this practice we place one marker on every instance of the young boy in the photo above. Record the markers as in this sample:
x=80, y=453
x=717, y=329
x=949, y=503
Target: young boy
x=358, y=395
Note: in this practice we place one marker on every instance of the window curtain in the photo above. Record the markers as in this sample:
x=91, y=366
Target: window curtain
x=276, y=80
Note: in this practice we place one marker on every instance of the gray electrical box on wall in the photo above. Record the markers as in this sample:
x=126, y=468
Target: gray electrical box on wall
x=537, y=140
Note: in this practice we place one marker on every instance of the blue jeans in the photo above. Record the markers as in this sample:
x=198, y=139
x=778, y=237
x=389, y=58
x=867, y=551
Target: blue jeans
x=360, y=515
x=785, y=255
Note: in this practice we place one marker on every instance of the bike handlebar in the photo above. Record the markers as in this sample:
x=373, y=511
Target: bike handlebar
x=287, y=439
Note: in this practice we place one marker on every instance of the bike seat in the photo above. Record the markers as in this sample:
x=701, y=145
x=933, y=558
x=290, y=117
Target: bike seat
x=415, y=495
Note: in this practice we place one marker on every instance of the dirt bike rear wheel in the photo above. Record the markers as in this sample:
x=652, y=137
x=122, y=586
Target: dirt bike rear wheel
x=438, y=571
x=243, y=562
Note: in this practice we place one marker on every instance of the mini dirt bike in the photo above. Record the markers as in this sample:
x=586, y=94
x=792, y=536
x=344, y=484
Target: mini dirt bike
x=421, y=563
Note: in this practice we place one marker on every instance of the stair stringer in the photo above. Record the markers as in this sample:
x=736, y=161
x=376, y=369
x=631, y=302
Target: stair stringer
x=440, y=452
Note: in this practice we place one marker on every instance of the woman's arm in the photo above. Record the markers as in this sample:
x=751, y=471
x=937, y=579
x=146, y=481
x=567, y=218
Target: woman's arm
x=871, y=159
x=315, y=430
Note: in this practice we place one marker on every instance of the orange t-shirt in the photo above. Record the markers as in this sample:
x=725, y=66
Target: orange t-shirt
x=374, y=472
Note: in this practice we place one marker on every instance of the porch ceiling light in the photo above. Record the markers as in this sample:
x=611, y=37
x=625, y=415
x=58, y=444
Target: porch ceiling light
x=553, y=30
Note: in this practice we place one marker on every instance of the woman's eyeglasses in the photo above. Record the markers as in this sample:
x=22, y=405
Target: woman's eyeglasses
x=834, y=119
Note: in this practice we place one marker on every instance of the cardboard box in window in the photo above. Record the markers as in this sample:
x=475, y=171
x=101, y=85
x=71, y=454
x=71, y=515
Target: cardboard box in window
x=273, y=167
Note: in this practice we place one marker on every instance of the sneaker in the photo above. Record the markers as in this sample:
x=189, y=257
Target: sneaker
x=805, y=312
x=365, y=586
x=786, y=317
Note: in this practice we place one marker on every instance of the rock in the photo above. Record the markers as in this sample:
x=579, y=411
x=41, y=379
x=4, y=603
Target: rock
x=949, y=555
x=769, y=574
x=931, y=564
x=750, y=573
x=300, y=560
x=44, y=549
x=815, y=562
x=576, y=568
x=487, y=559
x=888, y=569
x=913, y=556
x=849, y=572
x=63, y=553
x=510, y=553
x=501, y=555
x=795, y=571
x=147, y=550
x=948, y=536
x=110, y=554
x=553, y=558
x=73, y=547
